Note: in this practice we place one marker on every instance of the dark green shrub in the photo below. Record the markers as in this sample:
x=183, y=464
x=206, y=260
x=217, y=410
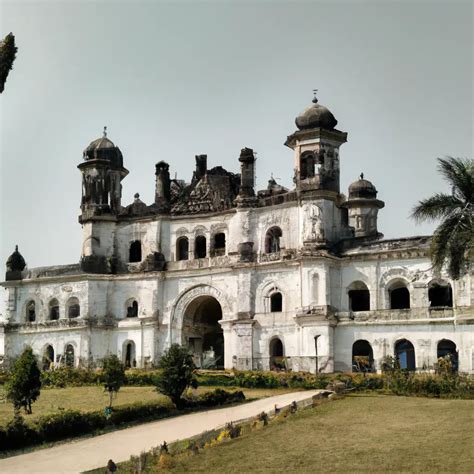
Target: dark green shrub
x=113, y=375
x=218, y=397
x=18, y=434
x=138, y=411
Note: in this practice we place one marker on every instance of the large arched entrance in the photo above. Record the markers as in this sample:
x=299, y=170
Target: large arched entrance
x=202, y=332
x=362, y=356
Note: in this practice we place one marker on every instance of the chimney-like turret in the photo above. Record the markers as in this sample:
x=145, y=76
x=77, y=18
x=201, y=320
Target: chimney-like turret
x=201, y=166
x=247, y=173
x=162, y=187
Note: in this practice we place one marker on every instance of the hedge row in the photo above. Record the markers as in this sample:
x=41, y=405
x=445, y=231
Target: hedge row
x=71, y=423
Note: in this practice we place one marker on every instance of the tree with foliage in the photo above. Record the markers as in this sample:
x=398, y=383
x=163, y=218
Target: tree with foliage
x=453, y=240
x=177, y=373
x=24, y=383
x=113, y=376
x=7, y=56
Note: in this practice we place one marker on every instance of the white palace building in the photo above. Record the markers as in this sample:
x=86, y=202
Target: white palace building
x=296, y=279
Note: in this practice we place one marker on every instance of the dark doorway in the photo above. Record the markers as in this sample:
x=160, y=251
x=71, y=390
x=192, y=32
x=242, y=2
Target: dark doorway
x=203, y=333
x=31, y=312
x=359, y=297
x=48, y=358
x=276, y=354
x=54, y=310
x=69, y=356
x=440, y=296
x=362, y=356
x=200, y=245
x=130, y=360
x=405, y=353
x=132, y=310
x=135, y=253
x=447, y=348
x=399, y=298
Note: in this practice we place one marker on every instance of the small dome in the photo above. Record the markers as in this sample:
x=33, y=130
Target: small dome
x=16, y=262
x=362, y=189
x=316, y=116
x=104, y=149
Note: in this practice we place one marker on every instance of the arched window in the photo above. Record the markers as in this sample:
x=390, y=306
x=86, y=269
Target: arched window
x=54, y=309
x=440, y=295
x=129, y=355
x=182, y=248
x=276, y=302
x=307, y=162
x=276, y=354
x=399, y=295
x=272, y=240
x=73, y=308
x=132, y=309
x=359, y=297
x=31, y=312
x=219, y=244
x=200, y=247
x=135, y=252
x=69, y=356
x=405, y=353
x=362, y=356
x=48, y=357
x=447, y=348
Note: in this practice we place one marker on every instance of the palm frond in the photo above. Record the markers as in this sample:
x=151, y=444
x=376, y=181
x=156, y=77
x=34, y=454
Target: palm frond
x=436, y=207
x=459, y=173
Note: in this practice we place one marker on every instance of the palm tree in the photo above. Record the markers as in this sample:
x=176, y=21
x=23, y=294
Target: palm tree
x=453, y=240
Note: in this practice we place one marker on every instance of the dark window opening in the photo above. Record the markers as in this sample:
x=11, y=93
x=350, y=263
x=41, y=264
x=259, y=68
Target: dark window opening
x=447, y=348
x=272, y=240
x=132, y=310
x=135, y=254
x=219, y=244
x=440, y=296
x=307, y=163
x=200, y=249
x=405, y=353
x=31, y=312
x=74, y=309
x=69, y=356
x=54, y=310
x=359, y=300
x=182, y=248
x=276, y=303
x=400, y=298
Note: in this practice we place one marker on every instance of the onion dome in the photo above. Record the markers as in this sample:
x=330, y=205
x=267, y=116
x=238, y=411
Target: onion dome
x=16, y=262
x=104, y=149
x=362, y=189
x=316, y=116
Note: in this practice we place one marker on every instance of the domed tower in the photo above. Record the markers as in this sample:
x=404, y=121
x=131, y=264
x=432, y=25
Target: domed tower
x=15, y=265
x=316, y=145
x=363, y=207
x=102, y=172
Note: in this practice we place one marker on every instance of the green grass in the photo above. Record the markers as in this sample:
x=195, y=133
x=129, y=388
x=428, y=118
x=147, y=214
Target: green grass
x=94, y=398
x=361, y=433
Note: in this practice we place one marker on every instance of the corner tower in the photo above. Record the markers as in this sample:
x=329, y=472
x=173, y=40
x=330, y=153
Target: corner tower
x=316, y=145
x=102, y=172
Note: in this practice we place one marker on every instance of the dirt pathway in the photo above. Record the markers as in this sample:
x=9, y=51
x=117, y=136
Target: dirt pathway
x=90, y=453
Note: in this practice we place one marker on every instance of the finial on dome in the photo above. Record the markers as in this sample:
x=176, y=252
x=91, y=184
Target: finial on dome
x=16, y=248
x=137, y=196
x=315, y=99
x=105, y=131
x=361, y=176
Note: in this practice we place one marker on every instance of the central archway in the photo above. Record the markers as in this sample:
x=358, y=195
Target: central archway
x=202, y=332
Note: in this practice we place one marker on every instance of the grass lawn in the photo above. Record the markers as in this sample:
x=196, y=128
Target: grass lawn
x=361, y=433
x=93, y=398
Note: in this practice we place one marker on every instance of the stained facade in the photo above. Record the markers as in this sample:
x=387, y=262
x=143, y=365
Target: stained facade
x=297, y=279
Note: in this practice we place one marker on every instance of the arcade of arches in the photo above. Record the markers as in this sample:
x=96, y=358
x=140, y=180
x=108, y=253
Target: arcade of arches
x=202, y=332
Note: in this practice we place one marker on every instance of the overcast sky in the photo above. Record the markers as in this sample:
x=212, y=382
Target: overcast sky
x=174, y=79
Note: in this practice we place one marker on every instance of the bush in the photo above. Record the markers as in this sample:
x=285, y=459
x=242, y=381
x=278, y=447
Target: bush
x=69, y=377
x=218, y=397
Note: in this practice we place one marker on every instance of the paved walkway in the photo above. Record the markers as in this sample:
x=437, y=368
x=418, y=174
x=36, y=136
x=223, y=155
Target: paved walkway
x=90, y=453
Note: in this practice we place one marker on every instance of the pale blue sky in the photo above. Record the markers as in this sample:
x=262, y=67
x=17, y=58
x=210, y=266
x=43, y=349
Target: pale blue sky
x=176, y=79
